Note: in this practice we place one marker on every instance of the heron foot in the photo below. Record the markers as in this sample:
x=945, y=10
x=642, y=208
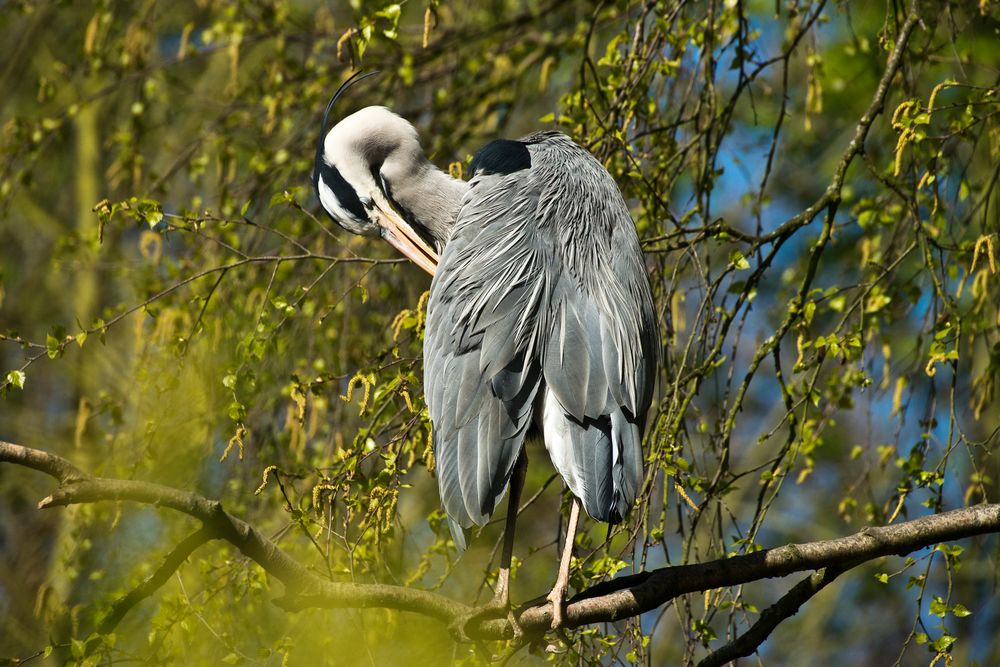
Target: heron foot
x=557, y=596
x=498, y=607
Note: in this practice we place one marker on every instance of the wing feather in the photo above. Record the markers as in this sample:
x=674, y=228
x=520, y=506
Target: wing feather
x=542, y=287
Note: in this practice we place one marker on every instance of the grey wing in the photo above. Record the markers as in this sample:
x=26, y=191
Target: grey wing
x=481, y=374
x=602, y=347
x=541, y=288
x=598, y=377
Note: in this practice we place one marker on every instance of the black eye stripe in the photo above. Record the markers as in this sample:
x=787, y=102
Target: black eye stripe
x=342, y=190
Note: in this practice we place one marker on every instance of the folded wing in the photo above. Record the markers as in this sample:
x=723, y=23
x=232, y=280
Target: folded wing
x=540, y=303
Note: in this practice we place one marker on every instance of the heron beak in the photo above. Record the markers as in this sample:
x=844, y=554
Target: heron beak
x=404, y=238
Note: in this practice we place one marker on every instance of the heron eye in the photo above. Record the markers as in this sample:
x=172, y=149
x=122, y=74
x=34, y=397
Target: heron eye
x=340, y=191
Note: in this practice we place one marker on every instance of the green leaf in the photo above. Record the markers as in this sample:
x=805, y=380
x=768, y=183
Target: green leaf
x=960, y=610
x=963, y=191
x=865, y=218
x=151, y=211
x=52, y=346
x=16, y=379
x=278, y=198
x=943, y=643
x=808, y=311
x=237, y=411
x=390, y=12
x=738, y=261
x=938, y=607
x=950, y=550
x=882, y=577
x=876, y=302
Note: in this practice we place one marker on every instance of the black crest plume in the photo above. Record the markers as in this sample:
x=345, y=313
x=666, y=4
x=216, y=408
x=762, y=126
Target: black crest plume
x=356, y=77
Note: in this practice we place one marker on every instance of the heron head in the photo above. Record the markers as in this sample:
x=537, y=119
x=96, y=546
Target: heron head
x=349, y=181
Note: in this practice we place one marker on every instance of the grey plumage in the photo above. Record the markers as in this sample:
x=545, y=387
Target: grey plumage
x=540, y=317
x=540, y=311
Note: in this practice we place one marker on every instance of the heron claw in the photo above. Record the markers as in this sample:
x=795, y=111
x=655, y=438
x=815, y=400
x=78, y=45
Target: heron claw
x=498, y=607
x=557, y=596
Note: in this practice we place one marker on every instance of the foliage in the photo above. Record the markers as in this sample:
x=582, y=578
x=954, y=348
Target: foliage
x=822, y=241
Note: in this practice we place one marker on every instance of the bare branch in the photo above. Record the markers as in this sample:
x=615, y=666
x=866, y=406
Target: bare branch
x=638, y=593
x=82, y=488
x=610, y=601
x=36, y=459
x=153, y=582
x=857, y=144
x=771, y=617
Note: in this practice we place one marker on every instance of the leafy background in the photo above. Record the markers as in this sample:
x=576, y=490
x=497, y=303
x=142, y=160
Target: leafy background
x=174, y=307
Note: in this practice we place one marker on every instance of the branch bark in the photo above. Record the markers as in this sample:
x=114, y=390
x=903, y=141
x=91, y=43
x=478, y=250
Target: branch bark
x=770, y=618
x=606, y=602
x=152, y=583
x=635, y=594
x=78, y=487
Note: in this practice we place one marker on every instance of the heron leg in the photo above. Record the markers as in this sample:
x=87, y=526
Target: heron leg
x=501, y=595
x=557, y=596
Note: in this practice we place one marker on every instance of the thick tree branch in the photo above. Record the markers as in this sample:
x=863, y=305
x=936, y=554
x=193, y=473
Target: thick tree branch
x=635, y=594
x=789, y=604
x=615, y=600
x=36, y=459
x=78, y=487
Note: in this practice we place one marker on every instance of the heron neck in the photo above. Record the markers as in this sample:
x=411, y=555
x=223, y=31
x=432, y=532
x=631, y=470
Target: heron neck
x=433, y=202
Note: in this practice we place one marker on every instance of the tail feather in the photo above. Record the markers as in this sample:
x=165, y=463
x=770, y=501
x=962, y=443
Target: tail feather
x=600, y=458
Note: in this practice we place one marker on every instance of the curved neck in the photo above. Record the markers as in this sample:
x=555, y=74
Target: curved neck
x=430, y=200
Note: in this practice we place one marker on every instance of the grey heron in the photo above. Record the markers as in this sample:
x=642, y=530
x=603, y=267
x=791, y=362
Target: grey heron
x=540, y=318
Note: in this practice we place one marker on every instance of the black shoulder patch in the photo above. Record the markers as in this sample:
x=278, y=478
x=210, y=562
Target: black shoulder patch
x=342, y=190
x=501, y=156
